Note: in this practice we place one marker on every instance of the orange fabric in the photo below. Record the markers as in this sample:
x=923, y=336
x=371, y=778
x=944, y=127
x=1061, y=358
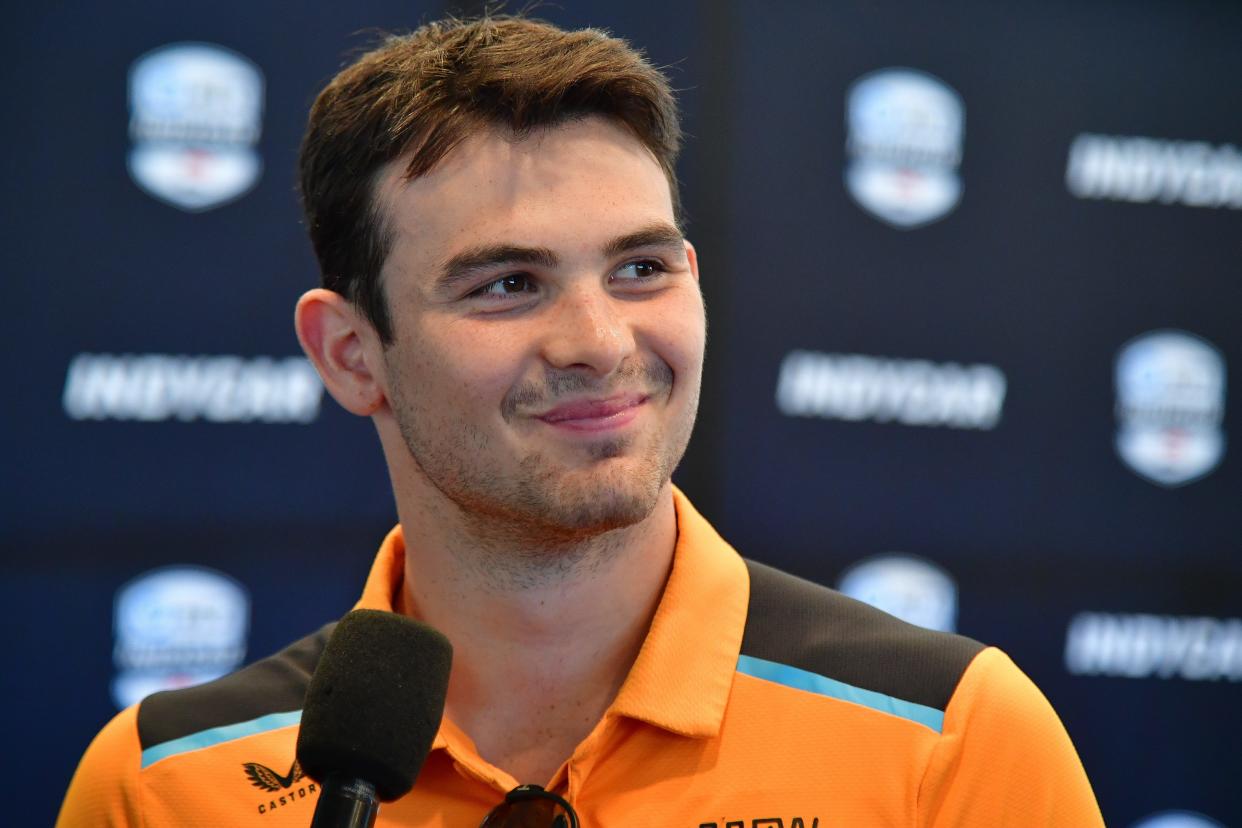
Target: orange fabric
x=688, y=741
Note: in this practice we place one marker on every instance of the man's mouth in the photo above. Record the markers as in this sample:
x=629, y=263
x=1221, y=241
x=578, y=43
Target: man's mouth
x=595, y=414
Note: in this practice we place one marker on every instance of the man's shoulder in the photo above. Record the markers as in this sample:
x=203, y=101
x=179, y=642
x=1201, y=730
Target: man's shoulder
x=798, y=624
x=269, y=687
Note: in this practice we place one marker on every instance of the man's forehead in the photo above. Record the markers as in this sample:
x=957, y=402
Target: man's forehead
x=495, y=177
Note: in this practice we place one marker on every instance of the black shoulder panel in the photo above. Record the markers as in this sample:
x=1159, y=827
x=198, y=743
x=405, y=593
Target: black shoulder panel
x=276, y=684
x=813, y=628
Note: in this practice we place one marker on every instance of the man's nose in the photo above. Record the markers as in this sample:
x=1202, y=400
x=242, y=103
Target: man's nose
x=589, y=332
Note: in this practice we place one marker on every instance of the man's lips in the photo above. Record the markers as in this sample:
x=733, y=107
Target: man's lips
x=595, y=415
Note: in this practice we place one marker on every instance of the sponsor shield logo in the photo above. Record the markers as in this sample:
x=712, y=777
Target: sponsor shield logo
x=1178, y=819
x=195, y=116
x=912, y=589
x=1170, y=406
x=175, y=627
x=904, y=146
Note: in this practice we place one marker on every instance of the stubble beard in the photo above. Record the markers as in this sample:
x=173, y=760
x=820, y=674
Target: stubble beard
x=544, y=521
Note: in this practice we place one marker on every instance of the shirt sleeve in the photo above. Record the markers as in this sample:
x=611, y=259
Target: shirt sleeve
x=104, y=789
x=1004, y=758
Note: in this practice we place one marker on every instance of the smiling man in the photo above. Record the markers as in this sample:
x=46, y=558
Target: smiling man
x=547, y=336
x=508, y=295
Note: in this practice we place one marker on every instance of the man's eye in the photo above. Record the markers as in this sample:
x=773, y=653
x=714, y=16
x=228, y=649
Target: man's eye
x=505, y=285
x=638, y=271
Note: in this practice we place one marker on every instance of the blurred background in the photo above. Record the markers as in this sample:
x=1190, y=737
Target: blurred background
x=973, y=278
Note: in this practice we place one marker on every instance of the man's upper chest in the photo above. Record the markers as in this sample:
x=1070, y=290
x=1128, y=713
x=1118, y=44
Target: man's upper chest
x=776, y=762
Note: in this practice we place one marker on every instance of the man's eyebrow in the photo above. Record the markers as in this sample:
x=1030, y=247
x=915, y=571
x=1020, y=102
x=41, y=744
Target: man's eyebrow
x=657, y=234
x=465, y=264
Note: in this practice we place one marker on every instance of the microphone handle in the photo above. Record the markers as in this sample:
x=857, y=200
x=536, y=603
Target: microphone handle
x=345, y=803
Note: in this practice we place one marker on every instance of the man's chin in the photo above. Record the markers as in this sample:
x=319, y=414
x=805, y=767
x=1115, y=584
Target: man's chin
x=598, y=500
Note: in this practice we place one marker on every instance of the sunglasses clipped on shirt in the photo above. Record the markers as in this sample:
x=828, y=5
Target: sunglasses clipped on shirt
x=530, y=806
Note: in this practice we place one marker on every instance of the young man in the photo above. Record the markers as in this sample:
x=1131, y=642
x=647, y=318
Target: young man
x=508, y=296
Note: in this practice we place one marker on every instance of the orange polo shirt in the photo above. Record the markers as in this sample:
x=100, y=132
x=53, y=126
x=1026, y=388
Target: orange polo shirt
x=757, y=701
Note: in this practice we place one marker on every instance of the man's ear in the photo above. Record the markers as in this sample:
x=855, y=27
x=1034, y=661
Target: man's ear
x=344, y=349
x=692, y=256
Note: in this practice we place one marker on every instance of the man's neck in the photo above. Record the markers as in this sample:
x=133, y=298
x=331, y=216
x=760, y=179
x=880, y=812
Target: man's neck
x=537, y=659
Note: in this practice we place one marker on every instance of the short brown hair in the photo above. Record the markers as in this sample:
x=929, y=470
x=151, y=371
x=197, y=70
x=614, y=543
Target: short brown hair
x=423, y=93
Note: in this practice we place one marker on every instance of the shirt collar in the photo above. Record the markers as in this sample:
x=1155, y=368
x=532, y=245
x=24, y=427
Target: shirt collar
x=387, y=577
x=684, y=671
x=382, y=591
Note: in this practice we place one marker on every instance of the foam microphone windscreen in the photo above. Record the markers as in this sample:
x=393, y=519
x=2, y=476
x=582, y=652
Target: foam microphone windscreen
x=375, y=701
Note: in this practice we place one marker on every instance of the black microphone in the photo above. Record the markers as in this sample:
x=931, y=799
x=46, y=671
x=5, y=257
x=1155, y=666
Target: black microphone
x=372, y=711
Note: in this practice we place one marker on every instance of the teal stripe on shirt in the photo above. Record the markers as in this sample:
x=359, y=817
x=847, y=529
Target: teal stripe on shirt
x=824, y=686
x=216, y=735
